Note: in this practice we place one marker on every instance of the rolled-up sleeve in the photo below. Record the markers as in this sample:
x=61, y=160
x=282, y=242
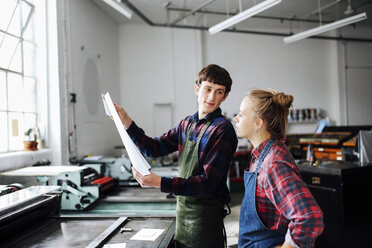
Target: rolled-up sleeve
x=293, y=199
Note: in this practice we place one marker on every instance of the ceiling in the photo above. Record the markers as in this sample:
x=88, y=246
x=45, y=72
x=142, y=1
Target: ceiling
x=289, y=16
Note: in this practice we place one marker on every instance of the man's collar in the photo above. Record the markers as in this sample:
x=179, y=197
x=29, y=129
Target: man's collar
x=208, y=117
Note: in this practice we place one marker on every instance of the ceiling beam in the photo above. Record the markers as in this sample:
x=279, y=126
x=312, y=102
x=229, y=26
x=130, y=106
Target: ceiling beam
x=281, y=19
x=192, y=11
x=234, y=30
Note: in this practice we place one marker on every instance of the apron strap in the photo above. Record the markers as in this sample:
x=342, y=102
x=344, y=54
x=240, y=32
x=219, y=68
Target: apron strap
x=263, y=153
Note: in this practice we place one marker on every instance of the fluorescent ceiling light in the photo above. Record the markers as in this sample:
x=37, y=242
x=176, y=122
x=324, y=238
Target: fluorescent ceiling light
x=243, y=15
x=116, y=4
x=325, y=28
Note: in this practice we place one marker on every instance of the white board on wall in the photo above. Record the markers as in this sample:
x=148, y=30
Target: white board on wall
x=359, y=95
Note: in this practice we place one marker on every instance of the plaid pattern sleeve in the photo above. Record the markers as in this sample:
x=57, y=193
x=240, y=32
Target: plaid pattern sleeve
x=216, y=151
x=159, y=146
x=283, y=200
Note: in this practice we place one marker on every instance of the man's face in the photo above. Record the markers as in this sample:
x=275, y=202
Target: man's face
x=210, y=97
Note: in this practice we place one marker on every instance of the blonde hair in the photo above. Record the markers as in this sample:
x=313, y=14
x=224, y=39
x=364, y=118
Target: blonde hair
x=273, y=108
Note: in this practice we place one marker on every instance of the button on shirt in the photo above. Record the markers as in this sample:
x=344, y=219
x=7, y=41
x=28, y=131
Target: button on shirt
x=216, y=151
x=283, y=201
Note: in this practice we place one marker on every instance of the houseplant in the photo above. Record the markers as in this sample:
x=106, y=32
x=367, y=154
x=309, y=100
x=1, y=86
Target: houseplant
x=30, y=143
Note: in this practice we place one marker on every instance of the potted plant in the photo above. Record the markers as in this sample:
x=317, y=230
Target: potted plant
x=30, y=143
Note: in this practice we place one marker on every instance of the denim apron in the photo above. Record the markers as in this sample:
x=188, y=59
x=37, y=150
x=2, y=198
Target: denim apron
x=199, y=219
x=252, y=232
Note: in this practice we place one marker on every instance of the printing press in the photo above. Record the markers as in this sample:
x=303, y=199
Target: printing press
x=331, y=164
x=85, y=206
x=104, y=187
x=81, y=185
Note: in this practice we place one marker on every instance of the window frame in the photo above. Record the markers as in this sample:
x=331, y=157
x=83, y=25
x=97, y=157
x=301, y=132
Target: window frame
x=21, y=41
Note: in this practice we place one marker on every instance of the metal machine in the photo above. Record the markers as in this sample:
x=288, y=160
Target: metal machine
x=19, y=209
x=129, y=199
x=30, y=217
x=121, y=168
x=118, y=168
x=81, y=185
x=87, y=210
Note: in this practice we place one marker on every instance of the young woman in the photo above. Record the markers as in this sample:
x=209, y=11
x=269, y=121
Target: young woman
x=278, y=209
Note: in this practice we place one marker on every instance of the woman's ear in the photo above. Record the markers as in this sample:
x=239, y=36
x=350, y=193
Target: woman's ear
x=259, y=123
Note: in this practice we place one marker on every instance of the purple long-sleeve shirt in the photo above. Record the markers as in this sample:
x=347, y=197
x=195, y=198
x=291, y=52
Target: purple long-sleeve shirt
x=216, y=151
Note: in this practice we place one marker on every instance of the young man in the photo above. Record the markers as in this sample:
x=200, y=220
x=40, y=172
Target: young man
x=206, y=142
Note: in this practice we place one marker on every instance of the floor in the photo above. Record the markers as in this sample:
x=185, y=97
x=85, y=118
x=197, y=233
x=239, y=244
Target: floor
x=232, y=221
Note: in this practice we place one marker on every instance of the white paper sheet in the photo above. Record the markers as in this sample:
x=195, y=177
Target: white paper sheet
x=107, y=111
x=147, y=234
x=121, y=245
x=135, y=156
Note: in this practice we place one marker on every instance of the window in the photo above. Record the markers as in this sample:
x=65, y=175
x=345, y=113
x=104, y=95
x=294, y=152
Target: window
x=18, y=79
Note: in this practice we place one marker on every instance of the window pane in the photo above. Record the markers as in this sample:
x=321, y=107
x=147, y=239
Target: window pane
x=28, y=33
x=2, y=91
x=26, y=12
x=16, y=61
x=29, y=95
x=16, y=131
x=7, y=48
x=2, y=35
x=6, y=12
x=15, y=26
x=30, y=121
x=29, y=58
x=15, y=95
x=3, y=132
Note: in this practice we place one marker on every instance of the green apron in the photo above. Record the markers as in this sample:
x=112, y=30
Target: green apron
x=199, y=218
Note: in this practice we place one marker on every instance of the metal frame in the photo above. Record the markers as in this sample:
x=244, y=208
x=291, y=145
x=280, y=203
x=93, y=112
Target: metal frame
x=234, y=30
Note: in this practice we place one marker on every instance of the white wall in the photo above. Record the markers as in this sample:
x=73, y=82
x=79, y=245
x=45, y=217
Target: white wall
x=304, y=69
x=161, y=64
x=91, y=68
x=358, y=83
x=158, y=65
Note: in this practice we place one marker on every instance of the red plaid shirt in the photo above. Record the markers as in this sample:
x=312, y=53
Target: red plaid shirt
x=283, y=201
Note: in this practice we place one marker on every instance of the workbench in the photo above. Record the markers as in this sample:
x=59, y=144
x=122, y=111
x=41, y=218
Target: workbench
x=67, y=232
x=30, y=217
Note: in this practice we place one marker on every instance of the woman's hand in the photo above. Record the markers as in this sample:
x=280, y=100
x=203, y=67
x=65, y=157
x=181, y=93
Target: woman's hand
x=124, y=117
x=285, y=245
x=151, y=180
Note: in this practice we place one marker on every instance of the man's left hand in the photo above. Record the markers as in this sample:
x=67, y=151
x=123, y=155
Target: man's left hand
x=151, y=180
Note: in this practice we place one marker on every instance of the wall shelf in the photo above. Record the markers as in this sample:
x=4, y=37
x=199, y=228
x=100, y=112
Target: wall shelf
x=303, y=122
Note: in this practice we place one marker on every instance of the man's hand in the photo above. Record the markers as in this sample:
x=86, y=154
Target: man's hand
x=151, y=180
x=124, y=117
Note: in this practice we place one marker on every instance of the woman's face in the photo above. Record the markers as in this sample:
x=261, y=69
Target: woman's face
x=246, y=120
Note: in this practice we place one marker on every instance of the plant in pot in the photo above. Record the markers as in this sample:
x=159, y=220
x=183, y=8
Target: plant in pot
x=30, y=143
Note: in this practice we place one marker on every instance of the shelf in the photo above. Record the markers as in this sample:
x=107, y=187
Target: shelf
x=303, y=122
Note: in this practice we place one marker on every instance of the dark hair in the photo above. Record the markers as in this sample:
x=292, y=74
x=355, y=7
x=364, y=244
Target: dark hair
x=273, y=108
x=215, y=74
